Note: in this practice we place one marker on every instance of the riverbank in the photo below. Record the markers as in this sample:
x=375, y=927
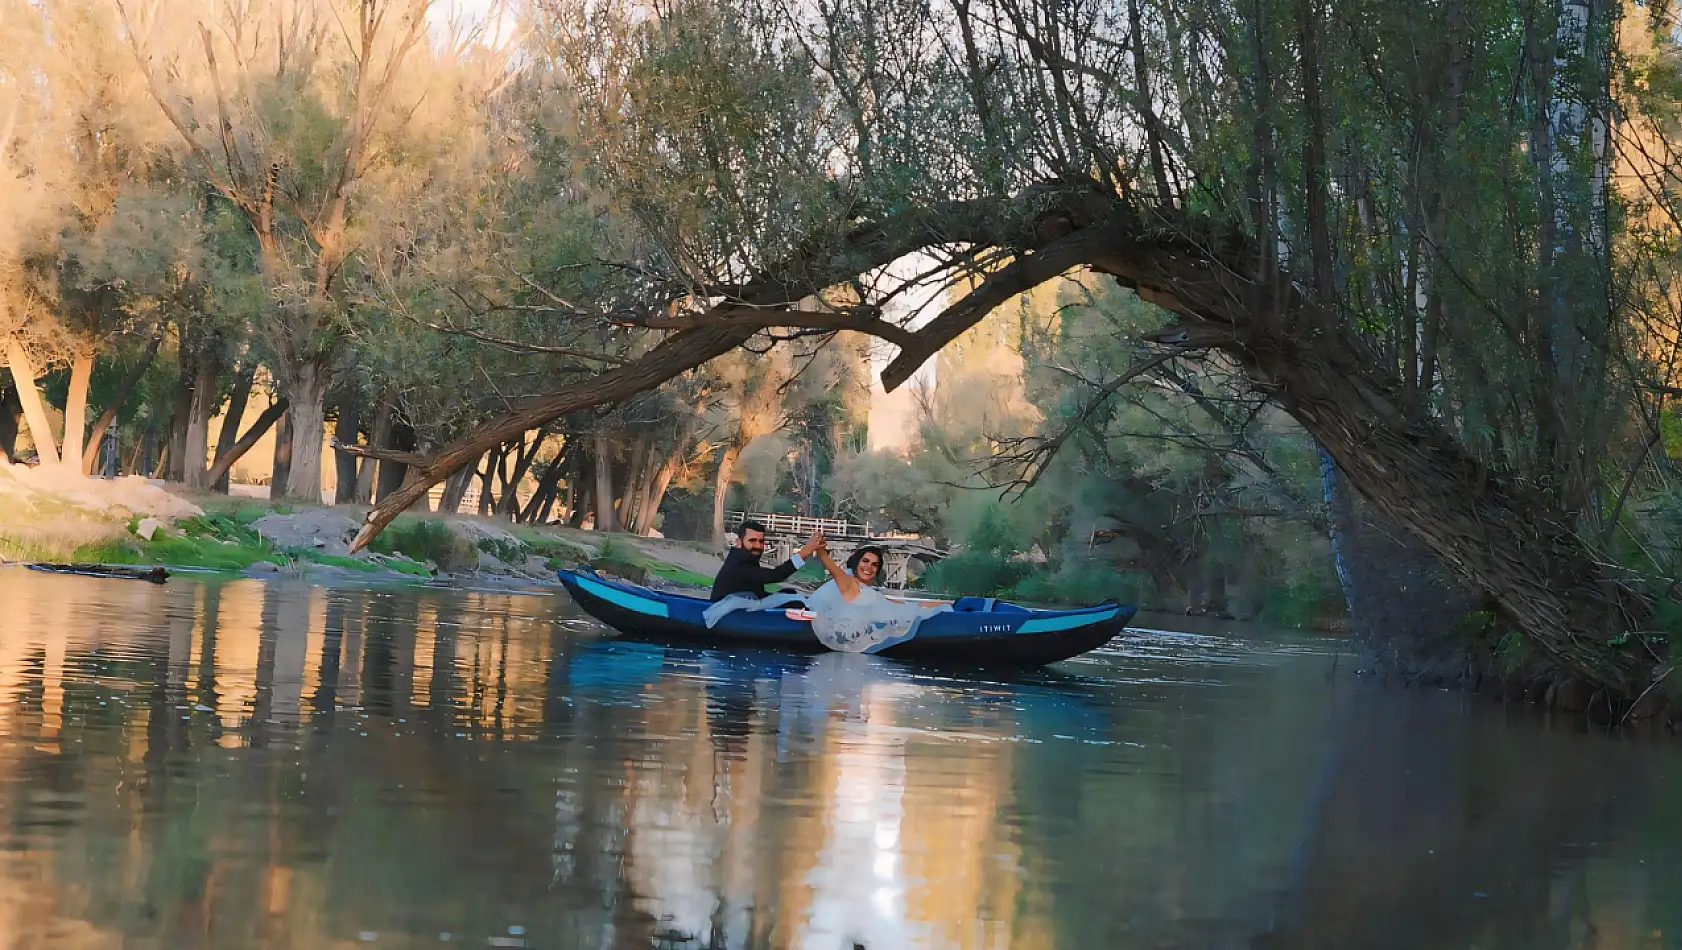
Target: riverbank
x=50, y=517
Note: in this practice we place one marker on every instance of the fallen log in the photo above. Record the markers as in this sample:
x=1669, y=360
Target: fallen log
x=155, y=575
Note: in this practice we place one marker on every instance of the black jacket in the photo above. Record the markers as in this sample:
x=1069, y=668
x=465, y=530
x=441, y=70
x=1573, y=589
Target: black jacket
x=742, y=574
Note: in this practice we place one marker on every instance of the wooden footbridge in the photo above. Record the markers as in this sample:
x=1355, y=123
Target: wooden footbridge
x=785, y=534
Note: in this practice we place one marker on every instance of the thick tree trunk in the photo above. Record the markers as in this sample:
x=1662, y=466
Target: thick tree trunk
x=455, y=489
x=231, y=420
x=504, y=482
x=379, y=436
x=199, y=413
x=1495, y=531
x=606, y=520
x=350, y=422
x=11, y=413
x=509, y=504
x=1498, y=533
x=393, y=474
x=409, y=476
x=90, y=456
x=181, y=410
x=622, y=489
x=151, y=445
x=636, y=478
x=543, y=500
x=572, y=491
x=656, y=493
x=282, y=455
x=487, y=480
x=586, y=504
x=544, y=510
x=225, y=460
x=76, y=410
x=721, y=490
x=34, y=412
x=305, y=386
x=137, y=453
x=578, y=490
x=1403, y=606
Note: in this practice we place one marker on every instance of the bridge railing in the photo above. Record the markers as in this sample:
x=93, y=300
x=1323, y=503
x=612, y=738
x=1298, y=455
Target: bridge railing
x=798, y=525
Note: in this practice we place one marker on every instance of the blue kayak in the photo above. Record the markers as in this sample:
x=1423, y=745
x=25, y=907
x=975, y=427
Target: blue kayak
x=977, y=631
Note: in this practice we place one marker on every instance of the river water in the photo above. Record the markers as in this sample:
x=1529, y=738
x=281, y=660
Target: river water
x=246, y=764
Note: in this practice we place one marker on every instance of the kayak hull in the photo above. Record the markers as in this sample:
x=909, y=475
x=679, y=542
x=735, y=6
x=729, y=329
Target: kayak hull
x=976, y=633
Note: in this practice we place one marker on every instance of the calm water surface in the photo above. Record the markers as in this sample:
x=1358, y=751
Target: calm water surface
x=250, y=764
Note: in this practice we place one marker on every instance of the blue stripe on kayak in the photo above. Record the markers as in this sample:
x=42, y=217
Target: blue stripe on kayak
x=1066, y=621
x=622, y=598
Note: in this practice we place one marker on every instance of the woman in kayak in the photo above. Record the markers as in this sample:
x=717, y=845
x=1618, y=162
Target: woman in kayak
x=850, y=614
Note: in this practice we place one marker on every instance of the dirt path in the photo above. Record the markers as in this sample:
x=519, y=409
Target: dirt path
x=681, y=554
x=684, y=554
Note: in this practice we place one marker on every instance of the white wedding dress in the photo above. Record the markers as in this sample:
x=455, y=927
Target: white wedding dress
x=865, y=624
x=868, y=623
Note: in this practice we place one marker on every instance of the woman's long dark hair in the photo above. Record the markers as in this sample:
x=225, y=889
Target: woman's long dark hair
x=881, y=562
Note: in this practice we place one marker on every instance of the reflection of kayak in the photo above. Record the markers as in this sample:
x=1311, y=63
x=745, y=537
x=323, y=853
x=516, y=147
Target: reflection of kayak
x=613, y=663
x=607, y=667
x=977, y=631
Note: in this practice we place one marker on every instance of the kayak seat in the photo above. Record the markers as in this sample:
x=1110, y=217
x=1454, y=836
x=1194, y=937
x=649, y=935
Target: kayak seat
x=986, y=605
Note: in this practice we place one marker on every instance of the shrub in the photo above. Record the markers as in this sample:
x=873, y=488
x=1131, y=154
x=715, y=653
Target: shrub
x=975, y=574
x=507, y=550
x=1083, y=586
x=426, y=540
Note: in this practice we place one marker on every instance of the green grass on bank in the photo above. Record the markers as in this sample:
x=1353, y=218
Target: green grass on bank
x=217, y=541
x=222, y=539
x=337, y=560
x=426, y=539
x=678, y=575
x=625, y=559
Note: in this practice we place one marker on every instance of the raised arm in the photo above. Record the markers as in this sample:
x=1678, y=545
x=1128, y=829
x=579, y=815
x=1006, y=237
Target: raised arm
x=762, y=575
x=844, y=582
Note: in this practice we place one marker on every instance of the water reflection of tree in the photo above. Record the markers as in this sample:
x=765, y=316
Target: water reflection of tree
x=1440, y=835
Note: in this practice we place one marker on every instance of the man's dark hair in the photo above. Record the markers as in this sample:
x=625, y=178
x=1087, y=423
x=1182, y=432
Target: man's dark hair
x=750, y=526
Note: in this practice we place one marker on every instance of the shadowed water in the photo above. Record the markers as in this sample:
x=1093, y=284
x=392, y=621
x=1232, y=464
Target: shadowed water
x=244, y=764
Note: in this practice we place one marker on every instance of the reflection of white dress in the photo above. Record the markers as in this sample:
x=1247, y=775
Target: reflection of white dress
x=865, y=624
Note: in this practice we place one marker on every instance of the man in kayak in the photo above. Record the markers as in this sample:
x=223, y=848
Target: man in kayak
x=742, y=573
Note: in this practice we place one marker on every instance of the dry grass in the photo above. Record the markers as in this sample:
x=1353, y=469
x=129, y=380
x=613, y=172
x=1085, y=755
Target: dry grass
x=36, y=526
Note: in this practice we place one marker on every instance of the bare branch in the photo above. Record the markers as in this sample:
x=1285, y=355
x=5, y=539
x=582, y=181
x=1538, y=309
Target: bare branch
x=377, y=452
x=1040, y=451
x=514, y=346
x=857, y=319
x=1021, y=275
